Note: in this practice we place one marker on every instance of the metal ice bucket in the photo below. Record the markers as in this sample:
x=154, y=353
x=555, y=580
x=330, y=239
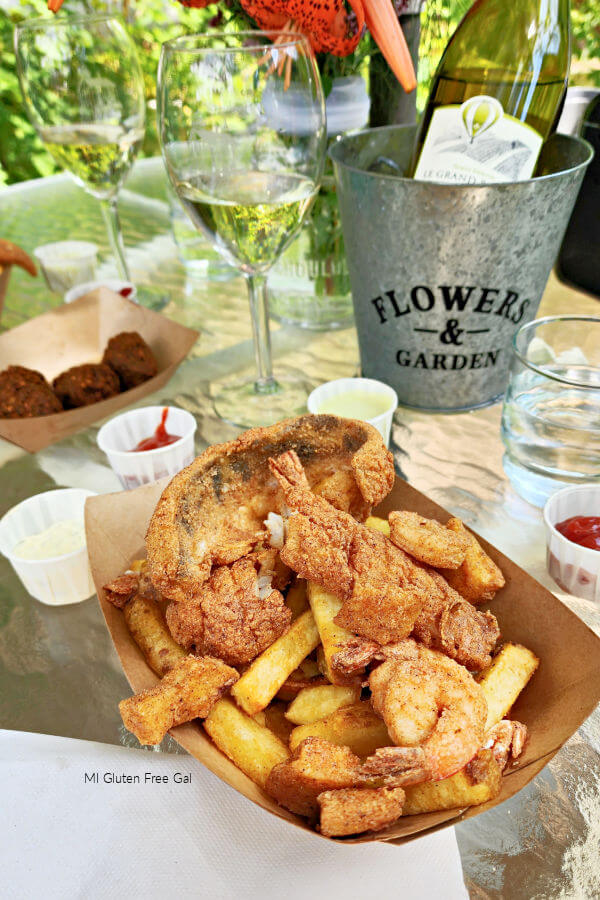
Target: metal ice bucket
x=443, y=275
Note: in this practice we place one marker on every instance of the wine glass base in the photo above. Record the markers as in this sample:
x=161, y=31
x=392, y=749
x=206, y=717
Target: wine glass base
x=239, y=403
x=153, y=298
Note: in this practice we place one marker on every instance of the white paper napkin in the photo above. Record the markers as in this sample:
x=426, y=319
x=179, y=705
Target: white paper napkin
x=65, y=837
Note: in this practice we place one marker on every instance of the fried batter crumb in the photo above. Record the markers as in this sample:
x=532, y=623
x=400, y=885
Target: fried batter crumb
x=355, y=810
x=188, y=691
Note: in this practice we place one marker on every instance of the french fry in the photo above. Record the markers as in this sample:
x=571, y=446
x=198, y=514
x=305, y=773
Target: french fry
x=314, y=703
x=478, y=578
x=479, y=782
x=188, y=691
x=264, y=677
x=251, y=746
x=334, y=638
x=356, y=727
x=503, y=681
x=296, y=598
x=149, y=630
x=378, y=524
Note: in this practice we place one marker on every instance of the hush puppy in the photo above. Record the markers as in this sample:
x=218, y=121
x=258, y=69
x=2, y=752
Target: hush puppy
x=25, y=393
x=131, y=358
x=86, y=384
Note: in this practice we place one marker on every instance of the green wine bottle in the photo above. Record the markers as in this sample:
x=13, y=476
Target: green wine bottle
x=496, y=94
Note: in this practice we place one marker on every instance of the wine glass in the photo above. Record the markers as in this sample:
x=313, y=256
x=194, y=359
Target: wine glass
x=83, y=90
x=242, y=131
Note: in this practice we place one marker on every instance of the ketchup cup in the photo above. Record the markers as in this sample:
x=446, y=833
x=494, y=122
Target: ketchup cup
x=119, y=437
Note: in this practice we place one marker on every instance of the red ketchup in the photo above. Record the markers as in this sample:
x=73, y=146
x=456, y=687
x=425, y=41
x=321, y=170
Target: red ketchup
x=582, y=530
x=160, y=438
x=126, y=291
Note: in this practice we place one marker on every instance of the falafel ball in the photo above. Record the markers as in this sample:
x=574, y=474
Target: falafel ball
x=25, y=393
x=131, y=358
x=89, y=383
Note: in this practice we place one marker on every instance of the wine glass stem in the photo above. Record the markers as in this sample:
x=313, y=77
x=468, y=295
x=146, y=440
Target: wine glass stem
x=259, y=312
x=113, y=227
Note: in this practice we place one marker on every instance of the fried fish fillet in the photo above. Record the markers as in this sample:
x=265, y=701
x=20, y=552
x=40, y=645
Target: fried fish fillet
x=211, y=512
x=355, y=810
x=427, y=540
x=361, y=566
x=228, y=618
x=188, y=691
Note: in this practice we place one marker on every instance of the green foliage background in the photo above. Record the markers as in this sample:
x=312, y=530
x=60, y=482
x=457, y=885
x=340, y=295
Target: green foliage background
x=151, y=22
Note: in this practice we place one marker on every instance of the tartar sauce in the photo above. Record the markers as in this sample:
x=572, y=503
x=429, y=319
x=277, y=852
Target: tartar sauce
x=60, y=538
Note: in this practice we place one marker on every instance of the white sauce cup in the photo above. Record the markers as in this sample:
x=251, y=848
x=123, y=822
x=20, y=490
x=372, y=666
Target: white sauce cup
x=57, y=580
x=333, y=389
x=67, y=263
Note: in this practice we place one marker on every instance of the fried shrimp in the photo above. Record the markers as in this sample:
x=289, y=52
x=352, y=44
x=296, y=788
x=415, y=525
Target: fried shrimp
x=449, y=623
x=434, y=710
x=362, y=567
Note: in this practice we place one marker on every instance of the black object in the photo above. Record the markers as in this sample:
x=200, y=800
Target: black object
x=579, y=258
x=390, y=104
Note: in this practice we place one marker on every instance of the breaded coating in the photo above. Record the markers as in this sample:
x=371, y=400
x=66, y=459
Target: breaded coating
x=361, y=566
x=122, y=589
x=316, y=766
x=228, y=618
x=384, y=603
x=507, y=741
x=449, y=623
x=478, y=577
x=373, y=471
x=355, y=810
x=427, y=540
x=187, y=692
x=228, y=492
x=356, y=654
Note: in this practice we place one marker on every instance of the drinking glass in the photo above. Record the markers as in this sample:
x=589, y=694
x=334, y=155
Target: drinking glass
x=83, y=90
x=551, y=413
x=242, y=130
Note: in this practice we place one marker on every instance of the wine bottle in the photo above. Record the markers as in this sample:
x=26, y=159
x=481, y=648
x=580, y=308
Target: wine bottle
x=497, y=93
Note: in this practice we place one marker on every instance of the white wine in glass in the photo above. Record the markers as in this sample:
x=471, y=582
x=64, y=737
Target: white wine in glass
x=83, y=89
x=242, y=130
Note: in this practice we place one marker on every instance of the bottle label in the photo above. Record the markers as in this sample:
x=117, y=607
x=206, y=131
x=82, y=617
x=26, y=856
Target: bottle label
x=477, y=143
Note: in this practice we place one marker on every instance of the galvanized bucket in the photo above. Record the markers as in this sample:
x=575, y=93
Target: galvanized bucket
x=443, y=275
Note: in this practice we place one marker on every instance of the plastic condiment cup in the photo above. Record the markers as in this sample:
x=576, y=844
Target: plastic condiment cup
x=332, y=390
x=57, y=580
x=115, y=284
x=574, y=568
x=118, y=437
x=67, y=263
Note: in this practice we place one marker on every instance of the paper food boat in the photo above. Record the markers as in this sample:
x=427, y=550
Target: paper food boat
x=77, y=333
x=562, y=693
